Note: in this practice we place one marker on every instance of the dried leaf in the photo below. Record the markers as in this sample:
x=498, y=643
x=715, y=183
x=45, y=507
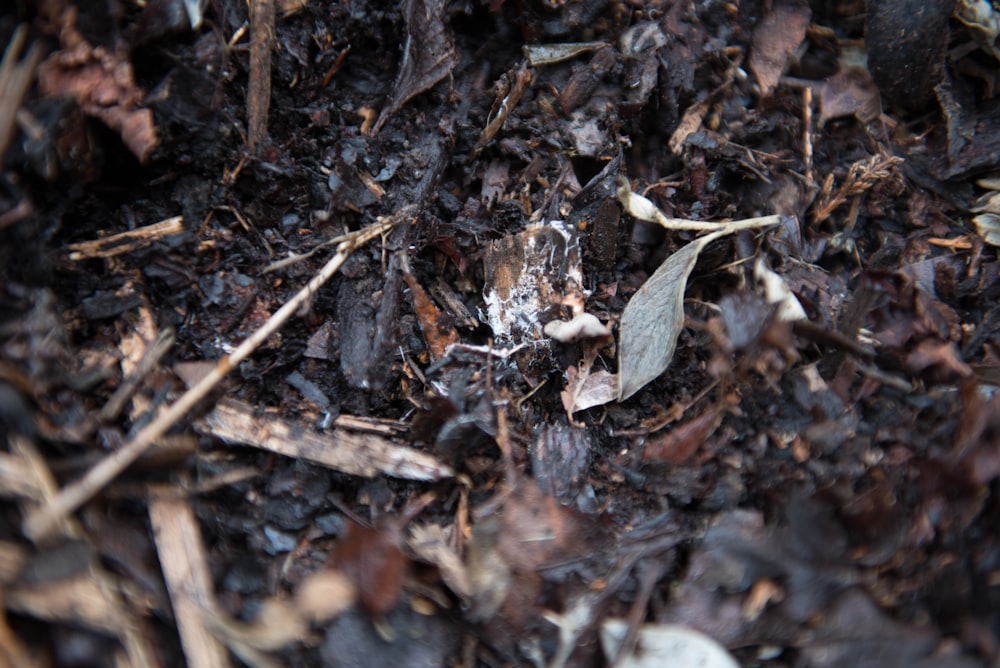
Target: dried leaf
x=437, y=330
x=373, y=560
x=679, y=444
x=988, y=226
x=549, y=54
x=585, y=391
x=664, y=645
x=849, y=92
x=653, y=319
x=654, y=316
x=774, y=41
x=428, y=55
x=102, y=83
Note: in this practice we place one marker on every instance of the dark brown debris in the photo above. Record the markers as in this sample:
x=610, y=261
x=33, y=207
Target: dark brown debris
x=354, y=333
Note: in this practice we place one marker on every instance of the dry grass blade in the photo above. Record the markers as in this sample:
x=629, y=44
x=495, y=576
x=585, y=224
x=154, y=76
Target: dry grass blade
x=40, y=522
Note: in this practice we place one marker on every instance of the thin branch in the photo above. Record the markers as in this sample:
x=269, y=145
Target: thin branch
x=43, y=520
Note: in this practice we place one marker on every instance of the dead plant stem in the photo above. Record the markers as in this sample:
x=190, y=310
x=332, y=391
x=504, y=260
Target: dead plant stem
x=42, y=521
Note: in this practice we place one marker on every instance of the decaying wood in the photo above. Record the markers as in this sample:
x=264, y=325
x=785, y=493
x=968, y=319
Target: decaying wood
x=126, y=242
x=42, y=520
x=365, y=455
x=186, y=572
x=259, y=90
x=151, y=356
x=90, y=596
x=531, y=275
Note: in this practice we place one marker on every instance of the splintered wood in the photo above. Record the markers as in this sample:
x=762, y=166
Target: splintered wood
x=366, y=455
x=185, y=570
x=43, y=521
x=126, y=242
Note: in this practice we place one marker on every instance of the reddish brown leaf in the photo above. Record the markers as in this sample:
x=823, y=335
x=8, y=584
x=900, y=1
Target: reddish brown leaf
x=774, y=41
x=374, y=562
x=678, y=445
x=102, y=83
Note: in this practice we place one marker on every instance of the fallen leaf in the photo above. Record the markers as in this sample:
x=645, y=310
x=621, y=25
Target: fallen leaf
x=680, y=443
x=988, y=227
x=437, y=330
x=849, y=92
x=428, y=55
x=654, y=316
x=102, y=83
x=585, y=391
x=373, y=561
x=664, y=645
x=775, y=39
x=653, y=320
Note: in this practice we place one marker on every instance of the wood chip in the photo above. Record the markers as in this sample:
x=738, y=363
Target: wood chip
x=185, y=570
x=365, y=455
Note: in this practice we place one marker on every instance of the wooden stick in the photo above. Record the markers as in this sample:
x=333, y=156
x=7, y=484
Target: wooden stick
x=43, y=520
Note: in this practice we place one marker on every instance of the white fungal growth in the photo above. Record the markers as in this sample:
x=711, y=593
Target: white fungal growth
x=533, y=273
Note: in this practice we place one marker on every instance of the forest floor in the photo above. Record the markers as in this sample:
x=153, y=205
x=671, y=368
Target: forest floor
x=535, y=332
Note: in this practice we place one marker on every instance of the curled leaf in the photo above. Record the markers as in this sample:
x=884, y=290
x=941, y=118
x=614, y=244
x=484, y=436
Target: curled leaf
x=654, y=316
x=653, y=319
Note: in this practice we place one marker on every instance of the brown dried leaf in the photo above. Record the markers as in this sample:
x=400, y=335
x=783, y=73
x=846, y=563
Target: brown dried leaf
x=438, y=333
x=849, y=92
x=428, y=55
x=680, y=443
x=774, y=41
x=373, y=561
x=535, y=530
x=102, y=83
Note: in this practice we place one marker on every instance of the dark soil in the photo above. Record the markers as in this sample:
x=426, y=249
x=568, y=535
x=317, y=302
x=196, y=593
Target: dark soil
x=817, y=493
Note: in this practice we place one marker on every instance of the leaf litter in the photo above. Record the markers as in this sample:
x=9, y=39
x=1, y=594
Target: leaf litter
x=804, y=469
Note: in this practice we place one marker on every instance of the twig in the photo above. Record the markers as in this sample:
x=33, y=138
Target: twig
x=259, y=90
x=150, y=358
x=189, y=583
x=41, y=521
x=125, y=242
